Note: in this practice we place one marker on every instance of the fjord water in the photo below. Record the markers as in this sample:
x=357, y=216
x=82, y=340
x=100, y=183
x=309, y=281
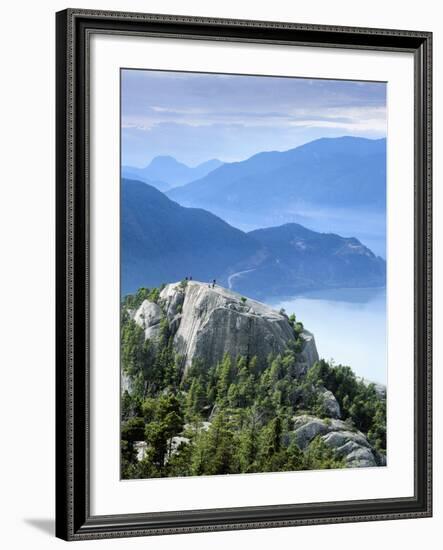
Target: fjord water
x=349, y=326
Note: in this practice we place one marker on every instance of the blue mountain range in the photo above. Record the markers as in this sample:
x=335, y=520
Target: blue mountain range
x=332, y=172
x=165, y=172
x=162, y=241
x=333, y=185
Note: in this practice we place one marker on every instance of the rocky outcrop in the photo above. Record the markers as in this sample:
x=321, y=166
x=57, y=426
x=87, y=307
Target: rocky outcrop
x=148, y=316
x=209, y=321
x=172, y=298
x=310, y=353
x=126, y=382
x=330, y=404
x=205, y=322
x=380, y=389
x=215, y=321
x=349, y=444
x=140, y=447
x=174, y=445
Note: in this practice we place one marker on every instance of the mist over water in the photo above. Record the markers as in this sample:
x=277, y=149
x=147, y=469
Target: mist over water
x=349, y=326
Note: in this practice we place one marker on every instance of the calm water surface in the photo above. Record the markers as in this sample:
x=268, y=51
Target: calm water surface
x=349, y=326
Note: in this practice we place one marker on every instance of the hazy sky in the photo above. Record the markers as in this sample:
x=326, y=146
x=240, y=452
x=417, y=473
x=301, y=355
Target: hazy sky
x=195, y=117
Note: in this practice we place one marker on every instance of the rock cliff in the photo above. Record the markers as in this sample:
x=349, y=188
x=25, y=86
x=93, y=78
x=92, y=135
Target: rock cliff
x=349, y=444
x=209, y=321
x=206, y=321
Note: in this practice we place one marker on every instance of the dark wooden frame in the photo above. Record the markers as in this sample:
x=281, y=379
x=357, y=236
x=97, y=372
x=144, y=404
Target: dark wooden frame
x=73, y=518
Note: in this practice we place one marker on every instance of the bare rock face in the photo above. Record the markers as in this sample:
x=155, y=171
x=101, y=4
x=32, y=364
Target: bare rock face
x=350, y=445
x=148, y=317
x=330, y=404
x=208, y=322
x=126, y=382
x=309, y=354
x=172, y=298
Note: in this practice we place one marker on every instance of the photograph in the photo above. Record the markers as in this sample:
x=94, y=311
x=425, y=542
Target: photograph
x=243, y=273
x=253, y=306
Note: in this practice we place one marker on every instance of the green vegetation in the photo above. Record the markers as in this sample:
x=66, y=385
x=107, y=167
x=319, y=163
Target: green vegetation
x=134, y=301
x=359, y=402
x=231, y=417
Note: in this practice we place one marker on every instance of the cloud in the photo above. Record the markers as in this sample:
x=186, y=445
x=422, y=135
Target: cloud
x=268, y=112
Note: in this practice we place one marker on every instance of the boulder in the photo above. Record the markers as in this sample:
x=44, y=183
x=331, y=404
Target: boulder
x=341, y=438
x=140, y=448
x=174, y=445
x=153, y=332
x=148, y=317
x=330, y=403
x=149, y=313
x=126, y=383
x=306, y=428
x=350, y=445
x=172, y=298
x=200, y=427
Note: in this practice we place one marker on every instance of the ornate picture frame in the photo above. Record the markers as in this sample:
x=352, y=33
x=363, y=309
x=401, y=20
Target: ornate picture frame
x=75, y=519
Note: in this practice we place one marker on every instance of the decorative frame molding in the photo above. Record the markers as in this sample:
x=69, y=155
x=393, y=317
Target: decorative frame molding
x=73, y=30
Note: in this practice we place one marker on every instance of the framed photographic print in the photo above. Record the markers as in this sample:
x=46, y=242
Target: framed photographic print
x=243, y=274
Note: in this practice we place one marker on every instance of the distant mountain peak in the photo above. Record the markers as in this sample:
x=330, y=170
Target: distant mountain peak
x=345, y=142
x=343, y=173
x=212, y=164
x=168, y=172
x=165, y=160
x=163, y=241
x=319, y=141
